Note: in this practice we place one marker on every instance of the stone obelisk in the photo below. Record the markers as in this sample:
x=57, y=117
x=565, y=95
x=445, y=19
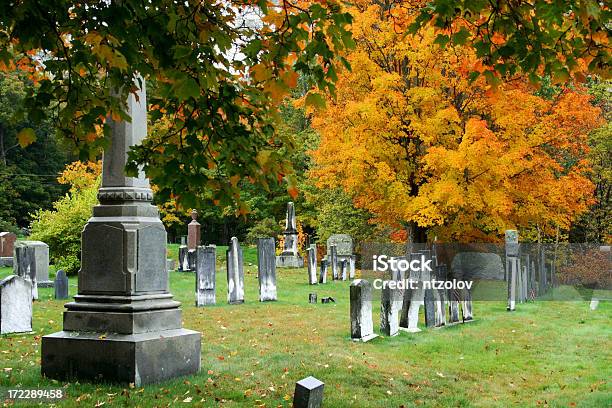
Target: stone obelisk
x=290, y=258
x=123, y=325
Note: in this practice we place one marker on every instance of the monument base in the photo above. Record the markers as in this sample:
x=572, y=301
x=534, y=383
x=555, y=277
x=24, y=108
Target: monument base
x=6, y=261
x=140, y=359
x=289, y=261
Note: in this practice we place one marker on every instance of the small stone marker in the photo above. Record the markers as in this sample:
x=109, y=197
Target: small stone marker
x=362, y=327
x=328, y=299
x=61, y=285
x=323, y=273
x=389, y=319
x=15, y=305
x=312, y=298
x=308, y=393
x=235, y=273
x=333, y=261
x=193, y=231
x=312, y=265
x=266, y=264
x=205, y=271
x=170, y=265
x=594, y=304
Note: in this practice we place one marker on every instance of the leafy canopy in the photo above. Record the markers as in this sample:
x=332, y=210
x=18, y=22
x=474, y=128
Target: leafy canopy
x=218, y=70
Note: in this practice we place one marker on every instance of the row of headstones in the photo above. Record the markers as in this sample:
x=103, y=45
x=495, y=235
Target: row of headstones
x=400, y=311
x=341, y=266
x=525, y=281
x=202, y=260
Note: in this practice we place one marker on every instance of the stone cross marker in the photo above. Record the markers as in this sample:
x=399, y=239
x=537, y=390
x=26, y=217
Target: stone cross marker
x=290, y=258
x=362, y=327
x=7, y=243
x=193, y=231
x=61, y=285
x=266, y=269
x=512, y=267
x=124, y=325
x=389, y=319
x=15, y=305
x=312, y=265
x=206, y=257
x=308, y=393
x=235, y=273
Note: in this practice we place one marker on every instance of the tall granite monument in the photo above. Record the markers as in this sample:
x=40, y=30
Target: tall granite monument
x=123, y=325
x=290, y=258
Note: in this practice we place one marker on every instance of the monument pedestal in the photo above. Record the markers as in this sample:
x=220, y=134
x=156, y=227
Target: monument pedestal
x=289, y=260
x=141, y=358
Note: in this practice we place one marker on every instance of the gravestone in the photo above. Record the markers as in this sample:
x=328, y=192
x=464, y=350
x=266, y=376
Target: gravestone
x=7, y=243
x=333, y=261
x=193, y=231
x=344, y=251
x=413, y=300
x=61, y=285
x=466, y=305
x=123, y=325
x=512, y=267
x=389, y=323
x=266, y=269
x=290, y=258
x=187, y=259
x=308, y=393
x=344, y=269
x=15, y=305
x=478, y=265
x=362, y=327
x=312, y=265
x=24, y=265
x=453, y=306
x=40, y=259
x=440, y=298
x=235, y=273
x=323, y=273
x=312, y=298
x=170, y=265
x=205, y=279
x=594, y=303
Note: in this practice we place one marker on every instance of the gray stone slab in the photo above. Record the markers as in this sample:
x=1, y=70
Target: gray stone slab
x=266, y=269
x=389, y=314
x=6, y=261
x=312, y=265
x=187, y=259
x=61, y=285
x=343, y=243
x=362, y=327
x=478, y=265
x=235, y=273
x=332, y=258
x=25, y=265
x=308, y=393
x=205, y=271
x=15, y=305
x=323, y=271
x=170, y=264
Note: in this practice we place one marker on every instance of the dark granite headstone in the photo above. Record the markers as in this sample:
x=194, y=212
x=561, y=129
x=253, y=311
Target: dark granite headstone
x=308, y=393
x=61, y=285
x=193, y=231
x=389, y=323
x=312, y=298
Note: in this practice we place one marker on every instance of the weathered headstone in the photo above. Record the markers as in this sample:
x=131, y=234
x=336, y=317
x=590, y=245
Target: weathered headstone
x=312, y=265
x=235, y=273
x=266, y=269
x=290, y=258
x=312, y=298
x=15, y=305
x=389, y=323
x=466, y=305
x=7, y=243
x=512, y=267
x=61, y=285
x=124, y=325
x=344, y=252
x=362, y=327
x=323, y=273
x=428, y=292
x=440, y=298
x=24, y=265
x=413, y=299
x=594, y=303
x=333, y=261
x=453, y=306
x=187, y=259
x=40, y=259
x=308, y=393
x=170, y=265
x=205, y=275
x=193, y=231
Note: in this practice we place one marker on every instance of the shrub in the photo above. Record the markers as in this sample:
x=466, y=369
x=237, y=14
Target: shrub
x=262, y=229
x=61, y=227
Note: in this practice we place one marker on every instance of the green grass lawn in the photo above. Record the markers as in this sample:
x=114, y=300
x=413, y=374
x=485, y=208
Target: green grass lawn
x=549, y=353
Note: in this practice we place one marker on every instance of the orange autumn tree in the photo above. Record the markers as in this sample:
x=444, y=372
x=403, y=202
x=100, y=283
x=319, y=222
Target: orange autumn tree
x=424, y=149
